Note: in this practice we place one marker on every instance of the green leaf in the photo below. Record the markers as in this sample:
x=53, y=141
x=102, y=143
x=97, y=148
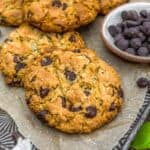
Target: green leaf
x=142, y=139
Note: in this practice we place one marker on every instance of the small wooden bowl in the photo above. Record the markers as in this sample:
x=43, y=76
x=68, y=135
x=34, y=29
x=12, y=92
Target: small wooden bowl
x=113, y=18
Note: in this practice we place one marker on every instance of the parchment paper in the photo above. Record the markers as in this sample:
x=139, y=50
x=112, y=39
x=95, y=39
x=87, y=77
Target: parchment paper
x=12, y=100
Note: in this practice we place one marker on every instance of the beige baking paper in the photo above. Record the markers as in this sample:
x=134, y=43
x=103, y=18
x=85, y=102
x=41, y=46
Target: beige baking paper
x=12, y=100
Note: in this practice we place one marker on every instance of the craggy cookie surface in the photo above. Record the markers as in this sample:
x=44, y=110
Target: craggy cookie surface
x=108, y=5
x=25, y=43
x=73, y=91
x=11, y=12
x=60, y=15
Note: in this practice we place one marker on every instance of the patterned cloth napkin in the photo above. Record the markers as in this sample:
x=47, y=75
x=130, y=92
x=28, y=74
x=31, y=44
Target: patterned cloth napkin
x=10, y=137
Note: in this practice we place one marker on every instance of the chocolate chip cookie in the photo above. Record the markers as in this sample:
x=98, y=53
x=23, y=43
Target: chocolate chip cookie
x=25, y=43
x=60, y=15
x=108, y=5
x=73, y=91
x=11, y=12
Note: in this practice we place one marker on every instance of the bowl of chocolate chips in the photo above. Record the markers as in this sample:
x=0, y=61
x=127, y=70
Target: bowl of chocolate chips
x=126, y=32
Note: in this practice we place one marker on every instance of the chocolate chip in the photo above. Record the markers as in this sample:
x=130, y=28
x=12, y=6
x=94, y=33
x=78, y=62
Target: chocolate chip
x=131, y=23
x=144, y=13
x=77, y=51
x=74, y=108
x=41, y=115
x=17, y=59
x=33, y=79
x=70, y=75
x=64, y=6
x=124, y=15
x=14, y=83
x=120, y=92
x=142, y=82
x=122, y=44
x=114, y=30
x=46, y=61
x=28, y=100
x=112, y=107
x=63, y=101
x=56, y=3
x=91, y=112
x=44, y=92
x=72, y=38
x=86, y=92
x=130, y=51
x=19, y=66
x=118, y=37
x=136, y=43
x=131, y=32
x=143, y=51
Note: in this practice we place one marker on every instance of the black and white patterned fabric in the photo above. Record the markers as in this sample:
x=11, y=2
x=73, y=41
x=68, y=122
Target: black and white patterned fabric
x=9, y=133
x=126, y=140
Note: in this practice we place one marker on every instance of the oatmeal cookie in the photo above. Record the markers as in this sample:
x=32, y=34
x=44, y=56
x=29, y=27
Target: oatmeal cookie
x=11, y=12
x=73, y=91
x=25, y=43
x=60, y=15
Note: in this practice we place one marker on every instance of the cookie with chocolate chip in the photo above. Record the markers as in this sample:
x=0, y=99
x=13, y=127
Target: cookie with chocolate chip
x=25, y=43
x=108, y=5
x=76, y=92
x=11, y=12
x=60, y=15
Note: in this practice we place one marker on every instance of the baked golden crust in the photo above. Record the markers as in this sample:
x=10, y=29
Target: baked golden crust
x=73, y=91
x=26, y=42
x=108, y=5
x=11, y=12
x=60, y=15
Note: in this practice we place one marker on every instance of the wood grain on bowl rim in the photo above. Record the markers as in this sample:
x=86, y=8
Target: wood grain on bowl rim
x=112, y=47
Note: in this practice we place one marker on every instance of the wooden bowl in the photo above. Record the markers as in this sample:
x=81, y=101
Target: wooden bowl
x=113, y=18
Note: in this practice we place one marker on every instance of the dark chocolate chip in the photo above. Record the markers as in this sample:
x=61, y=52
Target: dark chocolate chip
x=41, y=115
x=131, y=32
x=131, y=23
x=72, y=38
x=136, y=43
x=143, y=51
x=33, y=79
x=131, y=51
x=74, y=108
x=64, y=6
x=70, y=75
x=120, y=92
x=44, y=92
x=19, y=66
x=144, y=13
x=86, y=92
x=46, y=61
x=114, y=30
x=124, y=15
x=142, y=82
x=63, y=101
x=56, y=3
x=77, y=51
x=91, y=112
x=122, y=44
x=112, y=107
x=14, y=83
x=118, y=37
x=17, y=59
x=28, y=100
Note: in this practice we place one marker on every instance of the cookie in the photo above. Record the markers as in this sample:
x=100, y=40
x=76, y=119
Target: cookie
x=60, y=15
x=25, y=43
x=11, y=12
x=73, y=91
x=108, y=5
